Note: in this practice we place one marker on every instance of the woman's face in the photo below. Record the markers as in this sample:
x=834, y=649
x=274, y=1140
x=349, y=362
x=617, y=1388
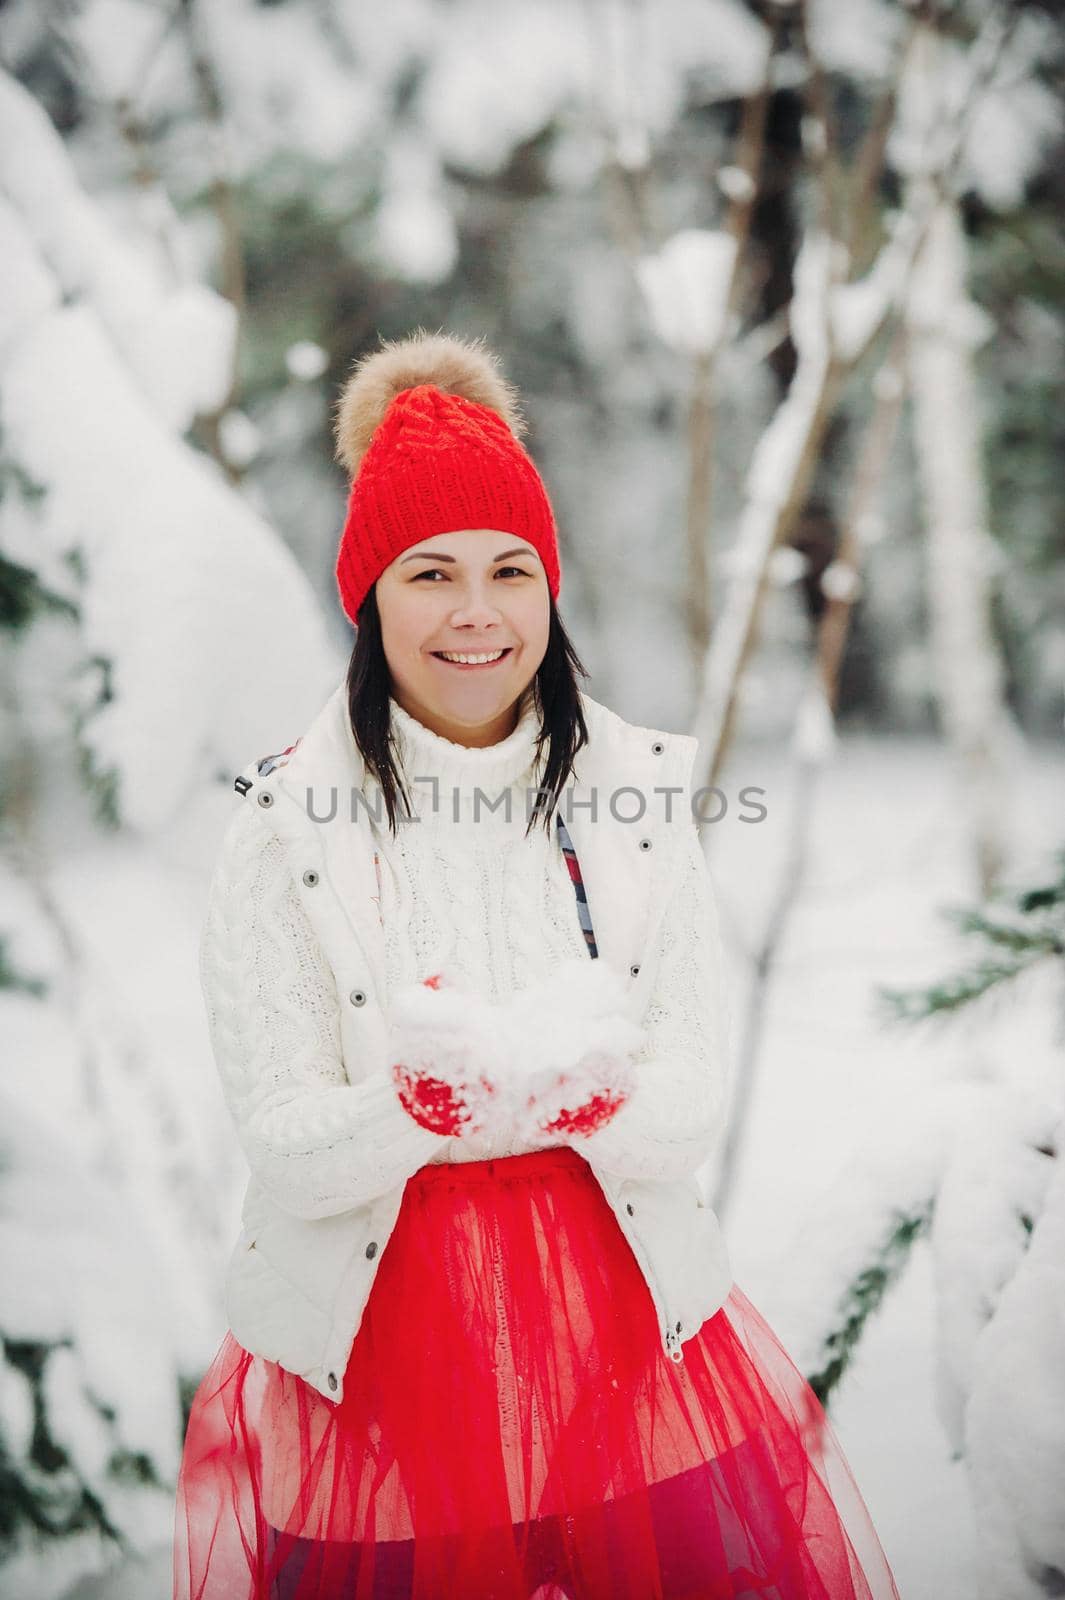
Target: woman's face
x=477, y=591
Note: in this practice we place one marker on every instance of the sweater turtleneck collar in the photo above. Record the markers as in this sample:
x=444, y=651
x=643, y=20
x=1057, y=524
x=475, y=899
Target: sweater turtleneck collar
x=492, y=768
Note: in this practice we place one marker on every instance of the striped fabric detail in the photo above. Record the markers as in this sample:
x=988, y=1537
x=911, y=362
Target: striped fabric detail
x=268, y=763
x=578, y=885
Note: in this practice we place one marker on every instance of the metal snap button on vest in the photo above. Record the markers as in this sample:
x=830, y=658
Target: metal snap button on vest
x=265, y=798
x=628, y=1208
x=332, y=1380
x=357, y=997
x=645, y=844
x=310, y=877
x=634, y=969
x=371, y=1249
x=657, y=747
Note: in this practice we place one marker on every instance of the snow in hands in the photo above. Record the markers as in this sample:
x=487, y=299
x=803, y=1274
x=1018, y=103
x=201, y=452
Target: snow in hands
x=461, y=1062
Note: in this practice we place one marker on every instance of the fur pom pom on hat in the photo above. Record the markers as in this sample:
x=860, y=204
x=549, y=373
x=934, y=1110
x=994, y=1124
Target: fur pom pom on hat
x=429, y=429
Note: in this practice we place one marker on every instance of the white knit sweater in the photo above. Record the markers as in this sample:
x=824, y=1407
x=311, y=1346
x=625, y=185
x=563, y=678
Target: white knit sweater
x=464, y=886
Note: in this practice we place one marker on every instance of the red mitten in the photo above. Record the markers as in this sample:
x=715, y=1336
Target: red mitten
x=430, y=1101
x=572, y=1047
x=441, y=1057
x=594, y=1113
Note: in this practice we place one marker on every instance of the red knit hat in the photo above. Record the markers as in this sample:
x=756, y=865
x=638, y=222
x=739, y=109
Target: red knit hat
x=428, y=429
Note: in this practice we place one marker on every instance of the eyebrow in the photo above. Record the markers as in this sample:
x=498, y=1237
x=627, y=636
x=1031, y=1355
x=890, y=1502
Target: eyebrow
x=438, y=555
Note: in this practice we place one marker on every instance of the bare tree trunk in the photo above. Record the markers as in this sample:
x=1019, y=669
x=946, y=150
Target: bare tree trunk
x=702, y=418
x=634, y=216
x=961, y=557
x=814, y=748
x=778, y=481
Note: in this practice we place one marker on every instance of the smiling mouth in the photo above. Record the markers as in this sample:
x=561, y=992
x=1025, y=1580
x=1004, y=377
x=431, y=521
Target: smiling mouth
x=472, y=666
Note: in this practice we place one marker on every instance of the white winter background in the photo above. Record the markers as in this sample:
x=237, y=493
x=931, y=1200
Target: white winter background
x=167, y=539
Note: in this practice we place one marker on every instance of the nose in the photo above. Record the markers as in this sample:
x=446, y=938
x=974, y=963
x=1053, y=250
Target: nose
x=477, y=608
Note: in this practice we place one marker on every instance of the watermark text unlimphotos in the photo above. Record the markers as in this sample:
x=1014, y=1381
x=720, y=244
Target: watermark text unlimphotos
x=628, y=803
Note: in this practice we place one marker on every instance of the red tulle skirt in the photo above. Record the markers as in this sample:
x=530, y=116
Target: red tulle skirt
x=511, y=1426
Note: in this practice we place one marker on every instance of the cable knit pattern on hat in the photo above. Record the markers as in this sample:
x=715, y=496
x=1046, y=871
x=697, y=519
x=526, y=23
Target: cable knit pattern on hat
x=429, y=429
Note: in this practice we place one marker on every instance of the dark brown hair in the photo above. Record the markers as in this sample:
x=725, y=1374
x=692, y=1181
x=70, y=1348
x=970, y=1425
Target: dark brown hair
x=555, y=688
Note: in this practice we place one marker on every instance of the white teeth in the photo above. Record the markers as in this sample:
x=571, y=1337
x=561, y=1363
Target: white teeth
x=470, y=660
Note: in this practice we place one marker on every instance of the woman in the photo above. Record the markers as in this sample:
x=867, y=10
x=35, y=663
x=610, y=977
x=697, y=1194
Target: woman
x=483, y=1337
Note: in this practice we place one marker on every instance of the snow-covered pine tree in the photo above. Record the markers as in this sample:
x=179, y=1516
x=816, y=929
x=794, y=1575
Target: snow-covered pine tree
x=983, y=1178
x=141, y=601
